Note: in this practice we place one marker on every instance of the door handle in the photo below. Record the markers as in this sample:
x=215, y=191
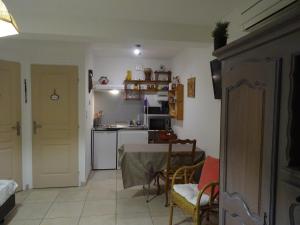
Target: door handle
x=17, y=128
x=36, y=126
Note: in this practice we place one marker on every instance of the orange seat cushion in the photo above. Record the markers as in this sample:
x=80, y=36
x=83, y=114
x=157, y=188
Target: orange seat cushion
x=210, y=173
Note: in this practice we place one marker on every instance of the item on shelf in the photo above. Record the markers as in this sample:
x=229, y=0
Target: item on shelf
x=148, y=73
x=129, y=75
x=165, y=88
x=136, y=87
x=103, y=80
x=176, y=80
x=162, y=68
x=163, y=75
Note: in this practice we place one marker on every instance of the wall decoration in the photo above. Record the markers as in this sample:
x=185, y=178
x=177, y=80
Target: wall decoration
x=90, y=83
x=191, y=87
x=54, y=96
x=103, y=80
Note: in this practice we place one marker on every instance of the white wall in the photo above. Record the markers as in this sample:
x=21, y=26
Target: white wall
x=202, y=113
x=235, y=30
x=115, y=68
x=45, y=52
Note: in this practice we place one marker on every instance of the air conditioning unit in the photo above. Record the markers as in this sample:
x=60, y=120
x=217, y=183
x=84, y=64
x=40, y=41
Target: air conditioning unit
x=257, y=12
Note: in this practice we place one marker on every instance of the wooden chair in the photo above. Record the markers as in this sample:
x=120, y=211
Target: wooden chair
x=176, y=159
x=204, y=201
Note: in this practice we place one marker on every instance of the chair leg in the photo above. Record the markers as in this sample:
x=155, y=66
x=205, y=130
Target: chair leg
x=171, y=214
x=158, y=185
x=167, y=192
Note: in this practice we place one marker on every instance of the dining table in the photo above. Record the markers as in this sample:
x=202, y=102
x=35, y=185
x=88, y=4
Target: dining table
x=140, y=163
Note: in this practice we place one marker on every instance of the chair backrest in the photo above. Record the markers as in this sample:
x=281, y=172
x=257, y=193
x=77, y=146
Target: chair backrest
x=184, y=155
x=210, y=173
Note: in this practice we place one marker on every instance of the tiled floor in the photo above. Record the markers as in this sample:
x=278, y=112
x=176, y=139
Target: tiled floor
x=103, y=201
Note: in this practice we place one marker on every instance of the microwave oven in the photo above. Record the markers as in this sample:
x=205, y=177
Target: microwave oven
x=158, y=121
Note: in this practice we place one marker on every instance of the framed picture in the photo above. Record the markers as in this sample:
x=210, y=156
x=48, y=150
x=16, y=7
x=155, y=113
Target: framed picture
x=191, y=87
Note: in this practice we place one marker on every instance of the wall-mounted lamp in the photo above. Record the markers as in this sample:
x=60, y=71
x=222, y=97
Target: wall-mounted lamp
x=8, y=25
x=137, y=51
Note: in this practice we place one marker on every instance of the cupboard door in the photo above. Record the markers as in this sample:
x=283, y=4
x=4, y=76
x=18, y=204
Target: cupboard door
x=105, y=150
x=248, y=129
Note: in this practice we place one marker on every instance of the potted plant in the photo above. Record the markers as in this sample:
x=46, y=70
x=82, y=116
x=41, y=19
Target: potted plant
x=220, y=34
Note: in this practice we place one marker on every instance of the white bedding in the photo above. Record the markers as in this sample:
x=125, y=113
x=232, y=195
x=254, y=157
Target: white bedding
x=7, y=189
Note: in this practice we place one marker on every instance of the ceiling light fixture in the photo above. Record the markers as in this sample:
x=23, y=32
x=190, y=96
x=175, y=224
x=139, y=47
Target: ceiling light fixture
x=8, y=25
x=137, y=50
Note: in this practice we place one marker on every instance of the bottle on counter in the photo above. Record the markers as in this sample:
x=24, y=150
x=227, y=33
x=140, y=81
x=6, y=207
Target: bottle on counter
x=98, y=119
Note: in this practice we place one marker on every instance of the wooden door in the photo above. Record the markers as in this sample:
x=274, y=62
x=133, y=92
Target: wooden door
x=10, y=122
x=247, y=144
x=55, y=125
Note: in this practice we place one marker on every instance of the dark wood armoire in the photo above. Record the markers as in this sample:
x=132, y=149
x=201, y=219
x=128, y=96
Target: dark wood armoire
x=260, y=125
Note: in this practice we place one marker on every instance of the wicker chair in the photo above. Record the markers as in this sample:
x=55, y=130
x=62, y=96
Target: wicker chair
x=175, y=160
x=199, y=209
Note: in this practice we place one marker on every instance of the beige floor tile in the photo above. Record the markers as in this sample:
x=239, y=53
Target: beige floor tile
x=98, y=220
x=72, y=195
x=31, y=211
x=103, y=201
x=177, y=220
x=109, y=184
x=134, y=219
x=130, y=206
x=99, y=208
x=102, y=194
x=21, y=196
x=119, y=174
x=157, y=207
x=134, y=192
x=65, y=210
x=120, y=184
x=37, y=196
x=103, y=174
x=24, y=222
x=60, y=221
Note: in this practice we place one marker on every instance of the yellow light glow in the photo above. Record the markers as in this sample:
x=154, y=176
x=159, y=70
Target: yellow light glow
x=114, y=92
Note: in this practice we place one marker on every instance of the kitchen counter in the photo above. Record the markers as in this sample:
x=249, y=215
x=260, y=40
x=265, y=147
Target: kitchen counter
x=119, y=127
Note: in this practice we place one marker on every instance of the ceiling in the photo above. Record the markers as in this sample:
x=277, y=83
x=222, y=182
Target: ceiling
x=121, y=21
x=192, y=12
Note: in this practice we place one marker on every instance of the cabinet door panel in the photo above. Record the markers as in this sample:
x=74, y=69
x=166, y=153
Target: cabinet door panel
x=105, y=150
x=289, y=208
x=248, y=115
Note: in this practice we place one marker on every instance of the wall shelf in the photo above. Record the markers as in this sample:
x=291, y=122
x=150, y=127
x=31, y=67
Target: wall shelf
x=175, y=97
x=135, y=89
